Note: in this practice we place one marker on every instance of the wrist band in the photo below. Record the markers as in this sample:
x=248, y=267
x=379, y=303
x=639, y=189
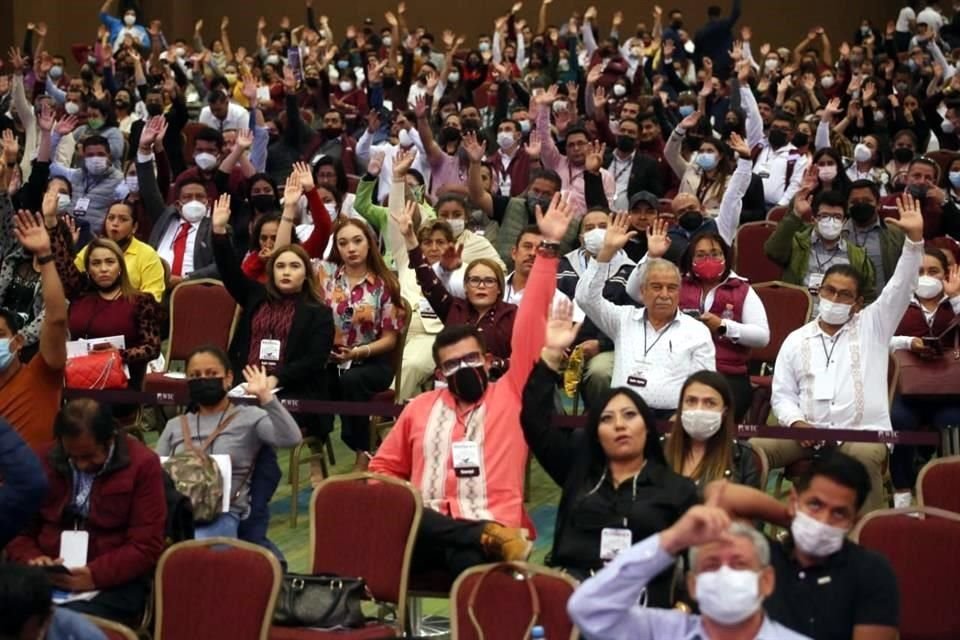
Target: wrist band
x=45, y=259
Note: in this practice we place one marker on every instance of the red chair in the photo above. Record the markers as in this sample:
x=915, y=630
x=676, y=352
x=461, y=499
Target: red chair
x=190, y=131
x=352, y=182
x=943, y=158
x=925, y=557
x=938, y=483
x=749, y=259
x=776, y=214
x=216, y=589
x=788, y=308
x=190, y=329
x=363, y=525
x=113, y=630
x=507, y=599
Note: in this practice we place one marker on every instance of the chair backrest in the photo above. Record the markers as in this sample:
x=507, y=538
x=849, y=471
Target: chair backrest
x=788, y=308
x=218, y=588
x=352, y=182
x=113, y=630
x=938, y=483
x=749, y=259
x=365, y=525
x=190, y=131
x=776, y=214
x=925, y=557
x=397, y=356
x=504, y=599
x=943, y=158
x=201, y=312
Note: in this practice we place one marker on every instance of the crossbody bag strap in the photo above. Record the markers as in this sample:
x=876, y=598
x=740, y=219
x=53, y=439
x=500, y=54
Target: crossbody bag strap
x=188, y=438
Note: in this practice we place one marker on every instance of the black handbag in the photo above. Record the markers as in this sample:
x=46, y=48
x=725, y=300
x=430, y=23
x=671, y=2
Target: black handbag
x=320, y=601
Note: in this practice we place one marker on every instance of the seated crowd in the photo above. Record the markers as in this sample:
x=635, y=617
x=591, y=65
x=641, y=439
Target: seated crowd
x=475, y=229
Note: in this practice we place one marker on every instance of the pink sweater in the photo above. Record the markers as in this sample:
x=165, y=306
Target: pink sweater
x=418, y=447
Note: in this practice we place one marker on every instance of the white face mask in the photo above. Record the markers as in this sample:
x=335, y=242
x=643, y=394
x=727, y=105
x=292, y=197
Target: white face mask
x=700, y=424
x=453, y=77
x=404, y=139
x=862, y=153
x=206, y=161
x=827, y=172
x=619, y=90
x=63, y=203
x=815, y=538
x=728, y=596
x=346, y=86
x=129, y=20
x=505, y=140
x=193, y=211
x=180, y=52
x=947, y=126
x=826, y=82
x=458, y=225
x=929, y=287
x=829, y=228
x=771, y=64
x=133, y=185
x=593, y=241
x=96, y=165
x=834, y=312
x=72, y=108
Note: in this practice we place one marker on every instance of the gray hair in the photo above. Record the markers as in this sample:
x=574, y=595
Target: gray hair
x=743, y=530
x=655, y=264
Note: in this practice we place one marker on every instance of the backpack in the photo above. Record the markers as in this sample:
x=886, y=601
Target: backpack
x=196, y=475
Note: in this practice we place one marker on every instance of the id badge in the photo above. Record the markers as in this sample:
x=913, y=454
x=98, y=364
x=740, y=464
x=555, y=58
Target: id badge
x=73, y=548
x=270, y=351
x=823, y=384
x=637, y=380
x=814, y=280
x=81, y=206
x=466, y=459
x=613, y=541
x=426, y=311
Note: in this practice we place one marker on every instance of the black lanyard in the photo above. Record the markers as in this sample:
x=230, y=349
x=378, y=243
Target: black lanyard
x=660, y=334
x=833, y=256
x=829, y=355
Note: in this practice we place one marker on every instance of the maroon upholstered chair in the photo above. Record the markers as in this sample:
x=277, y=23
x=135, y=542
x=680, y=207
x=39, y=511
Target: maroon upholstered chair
x=939, y=484
x=113, y=630
x=216, y=589
x=363, y=525
x=506, y=599
x=925, y=557
x=749, y=259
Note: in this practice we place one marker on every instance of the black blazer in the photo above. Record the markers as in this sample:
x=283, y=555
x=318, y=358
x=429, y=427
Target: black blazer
x=644, y=174
x=303, y=372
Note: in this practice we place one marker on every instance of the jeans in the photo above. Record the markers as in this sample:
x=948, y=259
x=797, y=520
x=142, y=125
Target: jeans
x=225, y=526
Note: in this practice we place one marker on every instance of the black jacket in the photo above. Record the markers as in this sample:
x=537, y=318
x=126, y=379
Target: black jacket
x=644, y=174
x=305, y=352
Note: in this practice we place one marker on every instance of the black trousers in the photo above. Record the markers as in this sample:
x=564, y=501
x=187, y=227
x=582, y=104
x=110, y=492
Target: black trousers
x=123, y=604
x=447, y=544
x=359, y=383
x=742, y=394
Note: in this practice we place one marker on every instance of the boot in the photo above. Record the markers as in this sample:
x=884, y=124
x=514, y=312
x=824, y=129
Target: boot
x=505, y=543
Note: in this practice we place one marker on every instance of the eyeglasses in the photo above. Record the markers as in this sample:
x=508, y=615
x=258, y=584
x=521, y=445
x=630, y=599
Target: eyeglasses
x=831, y=216
x=833, y=294
x=473, y=360
x=481, y=283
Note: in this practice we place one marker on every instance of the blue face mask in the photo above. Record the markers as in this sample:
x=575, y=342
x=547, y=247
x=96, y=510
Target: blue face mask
x=955, y=179
x=685, y=109
x=707, y=161
x=6, y=356
x=343, y=64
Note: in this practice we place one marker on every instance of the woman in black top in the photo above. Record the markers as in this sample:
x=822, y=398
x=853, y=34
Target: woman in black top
x=616, y=487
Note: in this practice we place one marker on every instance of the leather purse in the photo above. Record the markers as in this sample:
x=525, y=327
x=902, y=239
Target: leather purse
x=321, y=601
x=924, y=376
x=96, y=370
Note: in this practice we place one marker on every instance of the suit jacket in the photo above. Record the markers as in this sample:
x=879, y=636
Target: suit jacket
x=162, y=216
x=644, y=174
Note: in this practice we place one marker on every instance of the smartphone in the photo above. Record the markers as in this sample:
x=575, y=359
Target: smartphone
x=933, y=344
x=693, y=313
x=293, y=59
x=57, y=568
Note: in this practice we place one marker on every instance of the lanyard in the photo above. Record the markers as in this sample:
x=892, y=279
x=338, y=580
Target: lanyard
x=833, y=256
x=619, y=172
x=660, y=334
x=829, y=354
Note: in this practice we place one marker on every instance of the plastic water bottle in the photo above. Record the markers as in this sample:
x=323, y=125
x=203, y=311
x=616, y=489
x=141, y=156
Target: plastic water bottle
x=538, y=633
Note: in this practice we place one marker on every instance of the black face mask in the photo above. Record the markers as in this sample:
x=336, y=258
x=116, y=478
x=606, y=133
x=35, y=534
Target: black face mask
x=154, y=109
x=471, y=124
x=862, y=212
x=903, y=155
x=331, y=132
x=206, y=392
x=800, y=139
x=626, y=144
x=449, y=135
x=777, y=138
x=263, y=202
x=691, y=221
x=389, y=82
x=533, y=201
x=676, y=25
x=468, y=383
x=313, y=83
x=918, y=191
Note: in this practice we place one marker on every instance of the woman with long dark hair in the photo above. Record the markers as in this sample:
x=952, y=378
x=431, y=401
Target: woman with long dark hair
x=702, y=444
x=616, y=486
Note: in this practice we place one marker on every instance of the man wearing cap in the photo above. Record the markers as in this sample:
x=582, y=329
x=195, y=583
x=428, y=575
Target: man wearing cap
x=644, y=210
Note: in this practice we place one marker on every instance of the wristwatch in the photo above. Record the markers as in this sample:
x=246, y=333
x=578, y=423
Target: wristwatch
x=549, y=249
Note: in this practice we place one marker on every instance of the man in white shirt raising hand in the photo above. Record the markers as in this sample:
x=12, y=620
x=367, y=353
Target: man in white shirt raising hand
x=832, y=372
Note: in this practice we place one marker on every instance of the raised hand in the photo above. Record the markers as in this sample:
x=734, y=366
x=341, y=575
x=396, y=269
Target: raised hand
x=561, y=329
x=691, y=120
x=221, y=214
x=474, y=149
x=746, y=33
x=289, y=80
x=553, y=224
x=911, y=219
x=402, y=161
x=17, y=61
x=304, y=176
x=599, y=98
x=617, y=235
x=832, y=110
x=198, y=26
x=594, y=160
x=810, y=180
x=292, y=191
x=420, y=107
x=66, y=126
x=433, y=79
x=452, y=258
x=376, y=163
x=951, y=284
x=11, y=146
x=738, y=145
x=403, y=218
x=72, y=228
x=259, y=384
x=658, y=242
x=593, y=76
x=532, y=149
x=244, y=139
x=250, y=89
x=699, y=525
x=547, y=96
x=224, y=23
x=30, y=232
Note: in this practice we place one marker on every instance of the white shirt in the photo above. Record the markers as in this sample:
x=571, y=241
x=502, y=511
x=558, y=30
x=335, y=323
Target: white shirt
x=506, y=182
x=653, y=363
x=165, y=248
x=904, y=18
x=772, y=167
x=237, y=118
x=365, y=148
x=621, y=170
x=849, y=391
x=931, y=17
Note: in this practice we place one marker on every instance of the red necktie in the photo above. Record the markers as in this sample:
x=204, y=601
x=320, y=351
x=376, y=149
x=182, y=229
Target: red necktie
x=180, y=248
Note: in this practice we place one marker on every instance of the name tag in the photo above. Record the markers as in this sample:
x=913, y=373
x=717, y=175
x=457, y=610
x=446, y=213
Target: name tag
x=466, y=459
x=270, y=351
x=637, y=380
x=81, y=206
x=613, y=541
x=823, y=384
x=73, y=548
x=426, y=311
x=814, y=280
